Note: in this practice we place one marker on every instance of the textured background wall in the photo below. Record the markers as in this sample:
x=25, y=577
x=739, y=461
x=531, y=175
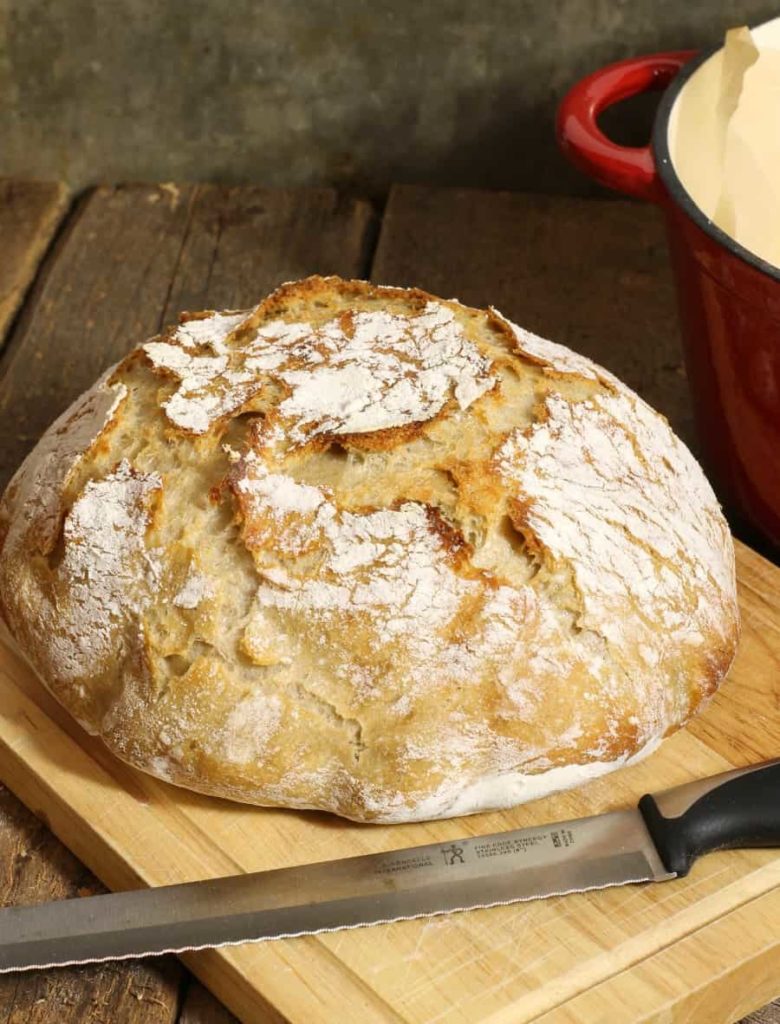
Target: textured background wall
x=355, y=93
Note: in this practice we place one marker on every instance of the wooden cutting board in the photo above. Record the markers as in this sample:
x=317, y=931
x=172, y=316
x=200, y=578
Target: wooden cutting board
x=694, y=947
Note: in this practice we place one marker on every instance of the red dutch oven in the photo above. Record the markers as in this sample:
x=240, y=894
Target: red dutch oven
x=729, y=298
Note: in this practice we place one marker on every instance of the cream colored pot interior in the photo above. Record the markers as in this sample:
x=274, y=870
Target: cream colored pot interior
x=724, y=138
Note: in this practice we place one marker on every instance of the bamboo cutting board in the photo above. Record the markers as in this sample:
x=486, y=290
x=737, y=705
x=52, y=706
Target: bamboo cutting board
x=704, y=948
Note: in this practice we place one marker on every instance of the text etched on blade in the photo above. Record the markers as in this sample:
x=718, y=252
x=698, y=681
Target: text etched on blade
x=404, y=864
x=469, y=850
x=560, y=839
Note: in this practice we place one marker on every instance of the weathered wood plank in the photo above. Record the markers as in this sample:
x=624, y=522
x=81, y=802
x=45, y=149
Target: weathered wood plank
x=589, y=274
x=133, y=257
x=129, y=260
x=242, y=242
x=37, y=867
x=30, y=212
x=769, y=1015
x=200, y=1007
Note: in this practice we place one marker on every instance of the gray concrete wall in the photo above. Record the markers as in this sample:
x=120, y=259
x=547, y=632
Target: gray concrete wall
x=354, y=93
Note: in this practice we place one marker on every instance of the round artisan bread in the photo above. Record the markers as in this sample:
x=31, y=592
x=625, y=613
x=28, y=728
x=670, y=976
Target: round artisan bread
x=366, y=550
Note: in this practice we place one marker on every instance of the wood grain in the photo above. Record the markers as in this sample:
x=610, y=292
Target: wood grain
x=200, y=1007
x=589, y=274
x=30, y=212
x=766, y=1015
x=133, y=257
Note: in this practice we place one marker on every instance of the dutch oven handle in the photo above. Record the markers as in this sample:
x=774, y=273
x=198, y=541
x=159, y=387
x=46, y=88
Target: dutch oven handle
x=629, y=169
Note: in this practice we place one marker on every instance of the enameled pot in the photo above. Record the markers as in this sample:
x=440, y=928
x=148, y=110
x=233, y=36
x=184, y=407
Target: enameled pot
x=729, y=298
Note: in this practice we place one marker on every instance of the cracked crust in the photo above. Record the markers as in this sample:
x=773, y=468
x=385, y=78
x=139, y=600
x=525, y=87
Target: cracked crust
x=366, y=550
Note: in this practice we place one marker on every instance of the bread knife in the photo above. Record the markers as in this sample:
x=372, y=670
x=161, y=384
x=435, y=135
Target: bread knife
x=655, y=842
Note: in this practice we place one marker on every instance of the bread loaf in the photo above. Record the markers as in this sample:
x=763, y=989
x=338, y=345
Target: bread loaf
x=370, y=551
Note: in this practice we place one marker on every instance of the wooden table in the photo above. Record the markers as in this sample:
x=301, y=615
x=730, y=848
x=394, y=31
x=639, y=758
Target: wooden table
x=81, y=280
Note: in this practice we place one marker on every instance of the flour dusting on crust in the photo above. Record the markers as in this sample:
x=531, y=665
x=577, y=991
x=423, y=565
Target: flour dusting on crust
x=558, y=358
x=370, y=371
x=385, y=371
x=211, y=331
x=249, y=728
x=197, y=588
x=39, y=483
x=208, y=389
x=106, y=563
x=387, y=568
x=605, y=486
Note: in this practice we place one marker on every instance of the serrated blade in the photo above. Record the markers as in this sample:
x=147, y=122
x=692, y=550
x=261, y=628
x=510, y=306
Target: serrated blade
x=508, y=867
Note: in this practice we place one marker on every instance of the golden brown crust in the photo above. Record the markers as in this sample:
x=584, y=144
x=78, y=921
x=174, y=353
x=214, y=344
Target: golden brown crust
x=370, y=551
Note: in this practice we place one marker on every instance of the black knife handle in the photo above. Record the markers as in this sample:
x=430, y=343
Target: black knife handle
x=736, y=809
